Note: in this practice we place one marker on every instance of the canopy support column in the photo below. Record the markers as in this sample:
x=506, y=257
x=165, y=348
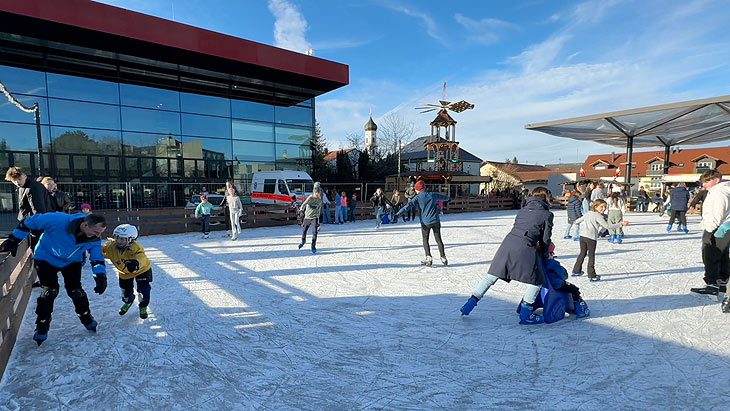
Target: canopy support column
x=629, y=161
x=667, y=149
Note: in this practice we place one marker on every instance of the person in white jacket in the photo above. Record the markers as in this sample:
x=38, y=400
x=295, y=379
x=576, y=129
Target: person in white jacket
x=715, y=254
x=235, y=209
x=591, y=225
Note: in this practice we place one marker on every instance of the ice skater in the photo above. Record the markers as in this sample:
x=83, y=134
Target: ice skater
x=425, y=202
x=616, y=206
x=311, y=208
x=678, y=198
x=234, y=208
x=591, y=225
x=202, y=211
x=520, y=255
x=132, y=265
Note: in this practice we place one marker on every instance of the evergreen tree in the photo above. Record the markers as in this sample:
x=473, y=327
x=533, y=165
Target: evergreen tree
x=363, y=166
x=344, y=167
x=321, y=169
x=514, y=160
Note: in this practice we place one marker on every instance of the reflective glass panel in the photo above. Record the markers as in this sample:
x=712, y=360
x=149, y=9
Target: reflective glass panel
x=250, y=110
x=249, y=130
x=81, y=88
x=115, y=166
x=148, y=167
x=292, y=152
x=63, y=165
x=207, y=126
x=98, y=166
x=152, y=145
x=301, y=116
x=201, y=104
x=206, y=148
x=79, y=114
x=81, y=166
x=10, y=112
x=22, y=81
x=132, y=167
x=292, y=135
x=151, y=121
x=253, y=151
x=149, y=97
x=72, y=140
x=245, y=169
x=22, y=137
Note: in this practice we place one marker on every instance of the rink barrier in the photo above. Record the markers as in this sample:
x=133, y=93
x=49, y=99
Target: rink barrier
x=16, y=279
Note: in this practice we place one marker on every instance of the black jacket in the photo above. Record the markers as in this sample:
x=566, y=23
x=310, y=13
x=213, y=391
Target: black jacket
x=575, y=208
x=379, y=200
x=679, y=197
x=33, y=198
x=60, y=201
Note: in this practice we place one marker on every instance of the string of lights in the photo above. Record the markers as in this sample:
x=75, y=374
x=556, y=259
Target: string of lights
x=15, y=101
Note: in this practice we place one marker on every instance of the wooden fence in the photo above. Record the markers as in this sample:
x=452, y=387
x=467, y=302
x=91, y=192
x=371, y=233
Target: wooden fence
x=16, y=278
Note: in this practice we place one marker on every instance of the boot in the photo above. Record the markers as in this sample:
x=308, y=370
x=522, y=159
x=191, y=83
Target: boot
x=710, y=289
x=428, y=261
x=684, y=228
x=301, y=245
x=527, y=316
x=612, y=238
x=124, y=308
x=726, y=304
x=143, y=313
x=469, y=305
x=444, y=261
x=619, y=239
x=669, y=228
x=679, y=228
x=88, y=321
x=41, y=332
x=581, y=309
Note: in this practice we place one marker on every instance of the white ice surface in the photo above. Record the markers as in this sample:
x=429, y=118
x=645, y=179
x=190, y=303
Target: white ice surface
x=259, y=324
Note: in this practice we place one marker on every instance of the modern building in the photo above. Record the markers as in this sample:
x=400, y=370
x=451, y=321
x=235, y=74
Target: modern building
x=127, y=97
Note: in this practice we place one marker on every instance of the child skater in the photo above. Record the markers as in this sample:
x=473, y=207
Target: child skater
x=202, y=211
x=616, y=205
x=591, y=225
x=518, y=257
x=234, y=208
x=575, y=211
x=311, y=208
x=429, y=214
x=132, y=265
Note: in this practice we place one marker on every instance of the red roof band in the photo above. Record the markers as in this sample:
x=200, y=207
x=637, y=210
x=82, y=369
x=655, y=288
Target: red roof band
x=125, y=23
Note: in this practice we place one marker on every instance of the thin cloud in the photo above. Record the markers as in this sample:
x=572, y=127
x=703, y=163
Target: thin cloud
x=428, y=21
x=290, y=26
x=485, y=30
x=540, y=56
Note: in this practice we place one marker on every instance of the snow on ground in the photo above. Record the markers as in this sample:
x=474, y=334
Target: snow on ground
x=259, y=324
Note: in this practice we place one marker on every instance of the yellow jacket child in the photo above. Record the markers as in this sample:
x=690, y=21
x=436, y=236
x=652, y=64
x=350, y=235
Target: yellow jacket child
x=132, y=265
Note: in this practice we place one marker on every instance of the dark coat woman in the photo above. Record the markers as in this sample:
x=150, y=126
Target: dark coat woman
x=574, y=208
x=517, y=258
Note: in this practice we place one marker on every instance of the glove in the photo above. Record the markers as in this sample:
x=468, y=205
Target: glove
x=132, y=265
x=100, y=283
x=707, y=237
x=11, y=245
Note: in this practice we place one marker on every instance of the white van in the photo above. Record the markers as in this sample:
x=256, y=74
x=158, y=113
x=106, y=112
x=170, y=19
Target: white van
x=277, y=187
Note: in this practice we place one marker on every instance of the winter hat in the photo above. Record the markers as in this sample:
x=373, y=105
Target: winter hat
x=420, y=185
x=616, y=189
x=86, y=205
x=317, y=187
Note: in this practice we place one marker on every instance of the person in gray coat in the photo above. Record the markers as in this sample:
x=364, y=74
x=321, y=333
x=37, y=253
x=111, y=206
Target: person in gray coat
x=679, y=198
x=520, y=255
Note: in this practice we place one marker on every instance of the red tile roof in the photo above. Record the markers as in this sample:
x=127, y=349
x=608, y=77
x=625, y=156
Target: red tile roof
x=332, y=155
x=682, y=161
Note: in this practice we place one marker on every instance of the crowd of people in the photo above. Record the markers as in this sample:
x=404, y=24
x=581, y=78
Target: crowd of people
x=62, y=240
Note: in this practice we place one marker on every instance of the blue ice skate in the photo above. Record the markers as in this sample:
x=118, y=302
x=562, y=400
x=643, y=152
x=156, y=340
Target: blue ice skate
x=684, y=228
x=619, y=239
x=669, y=228
x=581, y=309
x=301, y=245
x=469, y=305
x=528, y=316
x=612, y=238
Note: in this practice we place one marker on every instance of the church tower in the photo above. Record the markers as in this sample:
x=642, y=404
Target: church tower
x=371, y=130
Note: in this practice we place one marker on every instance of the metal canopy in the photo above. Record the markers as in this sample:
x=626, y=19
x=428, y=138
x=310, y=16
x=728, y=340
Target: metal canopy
x=689, y=122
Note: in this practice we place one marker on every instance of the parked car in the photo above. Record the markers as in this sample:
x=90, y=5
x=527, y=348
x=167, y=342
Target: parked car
x=277, y=187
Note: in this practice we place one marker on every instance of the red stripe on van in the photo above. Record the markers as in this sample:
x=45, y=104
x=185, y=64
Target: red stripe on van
x=275, y=197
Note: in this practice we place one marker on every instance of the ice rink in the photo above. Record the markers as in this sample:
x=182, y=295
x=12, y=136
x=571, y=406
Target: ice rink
x=259, y=324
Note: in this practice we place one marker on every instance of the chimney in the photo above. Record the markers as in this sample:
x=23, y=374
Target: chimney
x=613, y=156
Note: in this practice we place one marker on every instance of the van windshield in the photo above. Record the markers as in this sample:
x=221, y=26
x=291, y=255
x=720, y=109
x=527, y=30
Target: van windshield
x=299, y=187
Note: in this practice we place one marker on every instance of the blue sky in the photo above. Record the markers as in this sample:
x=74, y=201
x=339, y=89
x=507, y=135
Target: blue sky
x=519, y=62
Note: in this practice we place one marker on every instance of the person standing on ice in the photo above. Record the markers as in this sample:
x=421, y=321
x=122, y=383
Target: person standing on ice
x=311, y=208
x=380, y=203
x=591, y=226
x=715, y=236
x=202, y=211
x=575, y=211
x=61, y=248
x=679, y=198
x=234, y=208
x=518, y=257
x=132, y=265
x=616, y=206
x=428, y=212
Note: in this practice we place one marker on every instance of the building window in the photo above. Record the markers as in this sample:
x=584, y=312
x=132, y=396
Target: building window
x=705, y=164
x=656, y=167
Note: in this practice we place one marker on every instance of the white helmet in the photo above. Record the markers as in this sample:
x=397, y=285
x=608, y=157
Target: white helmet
x=126, y=231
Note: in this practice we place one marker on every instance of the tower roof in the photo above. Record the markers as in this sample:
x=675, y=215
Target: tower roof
x=370, y=125
x=443, y=119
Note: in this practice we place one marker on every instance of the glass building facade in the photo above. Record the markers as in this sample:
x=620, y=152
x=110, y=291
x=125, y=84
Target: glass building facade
x=96, y=128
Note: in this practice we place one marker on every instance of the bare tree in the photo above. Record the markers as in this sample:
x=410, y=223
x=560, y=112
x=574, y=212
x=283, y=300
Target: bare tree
x=504, y=177
x=394, y=129
x=356, y=140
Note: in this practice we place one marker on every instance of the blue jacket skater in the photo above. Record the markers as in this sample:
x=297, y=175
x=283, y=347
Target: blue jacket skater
x=59, y=244
x=517, y=257
x=426, y=202
x=574, y=207
x=679, y=197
